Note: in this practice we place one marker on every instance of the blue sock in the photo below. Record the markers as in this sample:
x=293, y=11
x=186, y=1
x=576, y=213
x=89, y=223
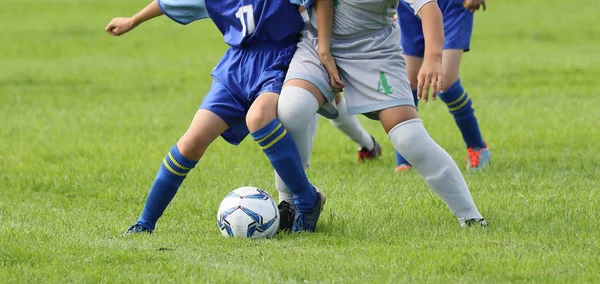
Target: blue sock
x=399, y=159
x=285, y=158
x=171, y=174
x=459, y=104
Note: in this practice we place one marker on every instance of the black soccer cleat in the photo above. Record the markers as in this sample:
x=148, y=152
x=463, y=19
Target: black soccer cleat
x=137, y=229
x=366, y=154
x=286, y=216
x=474, y=222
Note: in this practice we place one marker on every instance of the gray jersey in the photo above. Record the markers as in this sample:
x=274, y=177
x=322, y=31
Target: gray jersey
x=355, y=18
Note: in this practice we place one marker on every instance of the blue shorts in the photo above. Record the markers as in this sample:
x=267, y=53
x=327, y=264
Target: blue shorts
x=240, y=77
x=458, y=26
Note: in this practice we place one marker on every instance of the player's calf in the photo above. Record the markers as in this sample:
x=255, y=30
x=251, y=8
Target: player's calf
x=460, y=106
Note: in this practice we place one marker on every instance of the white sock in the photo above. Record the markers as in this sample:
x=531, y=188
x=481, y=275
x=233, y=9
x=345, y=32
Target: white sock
x=351, y=127
x=436, y=167
x=312, y=133
x=284, y=192
x=296, y=111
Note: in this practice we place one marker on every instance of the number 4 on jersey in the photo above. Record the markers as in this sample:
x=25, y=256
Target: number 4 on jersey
x=246, y=9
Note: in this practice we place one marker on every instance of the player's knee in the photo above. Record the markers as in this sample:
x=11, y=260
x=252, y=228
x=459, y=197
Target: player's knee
x=260, y=116
x=192, y=148
x=296, y=108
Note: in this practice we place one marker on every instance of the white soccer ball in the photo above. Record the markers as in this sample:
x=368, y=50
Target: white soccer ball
x=248, y=212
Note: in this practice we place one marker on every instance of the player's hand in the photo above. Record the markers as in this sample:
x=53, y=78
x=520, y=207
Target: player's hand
x=119, y=26
x=334, y=77
x=474, y=5
x=430, y=77
x=395, y=17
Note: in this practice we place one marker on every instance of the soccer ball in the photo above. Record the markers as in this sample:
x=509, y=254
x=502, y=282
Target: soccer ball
x=248, y=212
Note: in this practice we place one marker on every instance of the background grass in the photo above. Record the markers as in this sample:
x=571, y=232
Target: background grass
x=85, y=120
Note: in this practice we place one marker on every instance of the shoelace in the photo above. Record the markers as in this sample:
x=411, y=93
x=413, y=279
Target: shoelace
x=473, y=157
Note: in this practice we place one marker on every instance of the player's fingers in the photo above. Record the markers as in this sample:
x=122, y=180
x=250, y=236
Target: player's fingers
x=426, y=86
x=338, y=80
x=334, y=85
x=419, y=87
x=109, y=27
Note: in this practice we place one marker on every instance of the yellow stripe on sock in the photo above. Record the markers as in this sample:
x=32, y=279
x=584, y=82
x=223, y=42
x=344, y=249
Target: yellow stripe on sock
x=270, y=134
x=461, y=105
x=172, y=170
x=457, y=100
x=275, y=140
x=177, y=164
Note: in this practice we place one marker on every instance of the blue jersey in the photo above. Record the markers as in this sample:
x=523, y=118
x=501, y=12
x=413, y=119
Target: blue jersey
x=243, y=23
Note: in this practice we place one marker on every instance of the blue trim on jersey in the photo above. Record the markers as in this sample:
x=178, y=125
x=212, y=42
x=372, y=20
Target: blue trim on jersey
x=184, y=11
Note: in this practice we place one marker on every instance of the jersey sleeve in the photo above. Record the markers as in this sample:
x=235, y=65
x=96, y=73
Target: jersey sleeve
x=418, y=4
x=184, y=11
x=304, y=3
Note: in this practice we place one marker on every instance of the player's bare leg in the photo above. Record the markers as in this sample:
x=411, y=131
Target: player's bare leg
x=433, y=163
x=203, y=130
x=181, y=159
x=368, y=148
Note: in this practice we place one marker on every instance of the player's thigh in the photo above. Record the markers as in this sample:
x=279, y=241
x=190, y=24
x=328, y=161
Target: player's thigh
x=451, y=66
x=204, y=129
x=262, y=111
x=413, y=65
x=306, y=72
x=393, y=116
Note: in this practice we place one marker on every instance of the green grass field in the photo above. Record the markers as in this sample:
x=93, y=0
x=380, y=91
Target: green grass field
x=87, y=118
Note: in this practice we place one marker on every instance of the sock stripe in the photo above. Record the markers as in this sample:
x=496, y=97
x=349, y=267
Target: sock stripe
x=457, y=100
x=275, y=140
x=270, y=134
x=172, y=170
x=178, y=164
x=460, y=106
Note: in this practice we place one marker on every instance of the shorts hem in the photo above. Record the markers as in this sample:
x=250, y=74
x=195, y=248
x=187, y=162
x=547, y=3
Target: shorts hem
x=328, y=94
x=370, y=109
x=457, y=46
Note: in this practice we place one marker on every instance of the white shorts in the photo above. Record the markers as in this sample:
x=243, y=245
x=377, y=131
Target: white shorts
x=371, y=67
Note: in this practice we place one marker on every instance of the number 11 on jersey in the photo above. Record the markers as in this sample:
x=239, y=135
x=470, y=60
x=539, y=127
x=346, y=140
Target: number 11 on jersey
x=249, y=12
